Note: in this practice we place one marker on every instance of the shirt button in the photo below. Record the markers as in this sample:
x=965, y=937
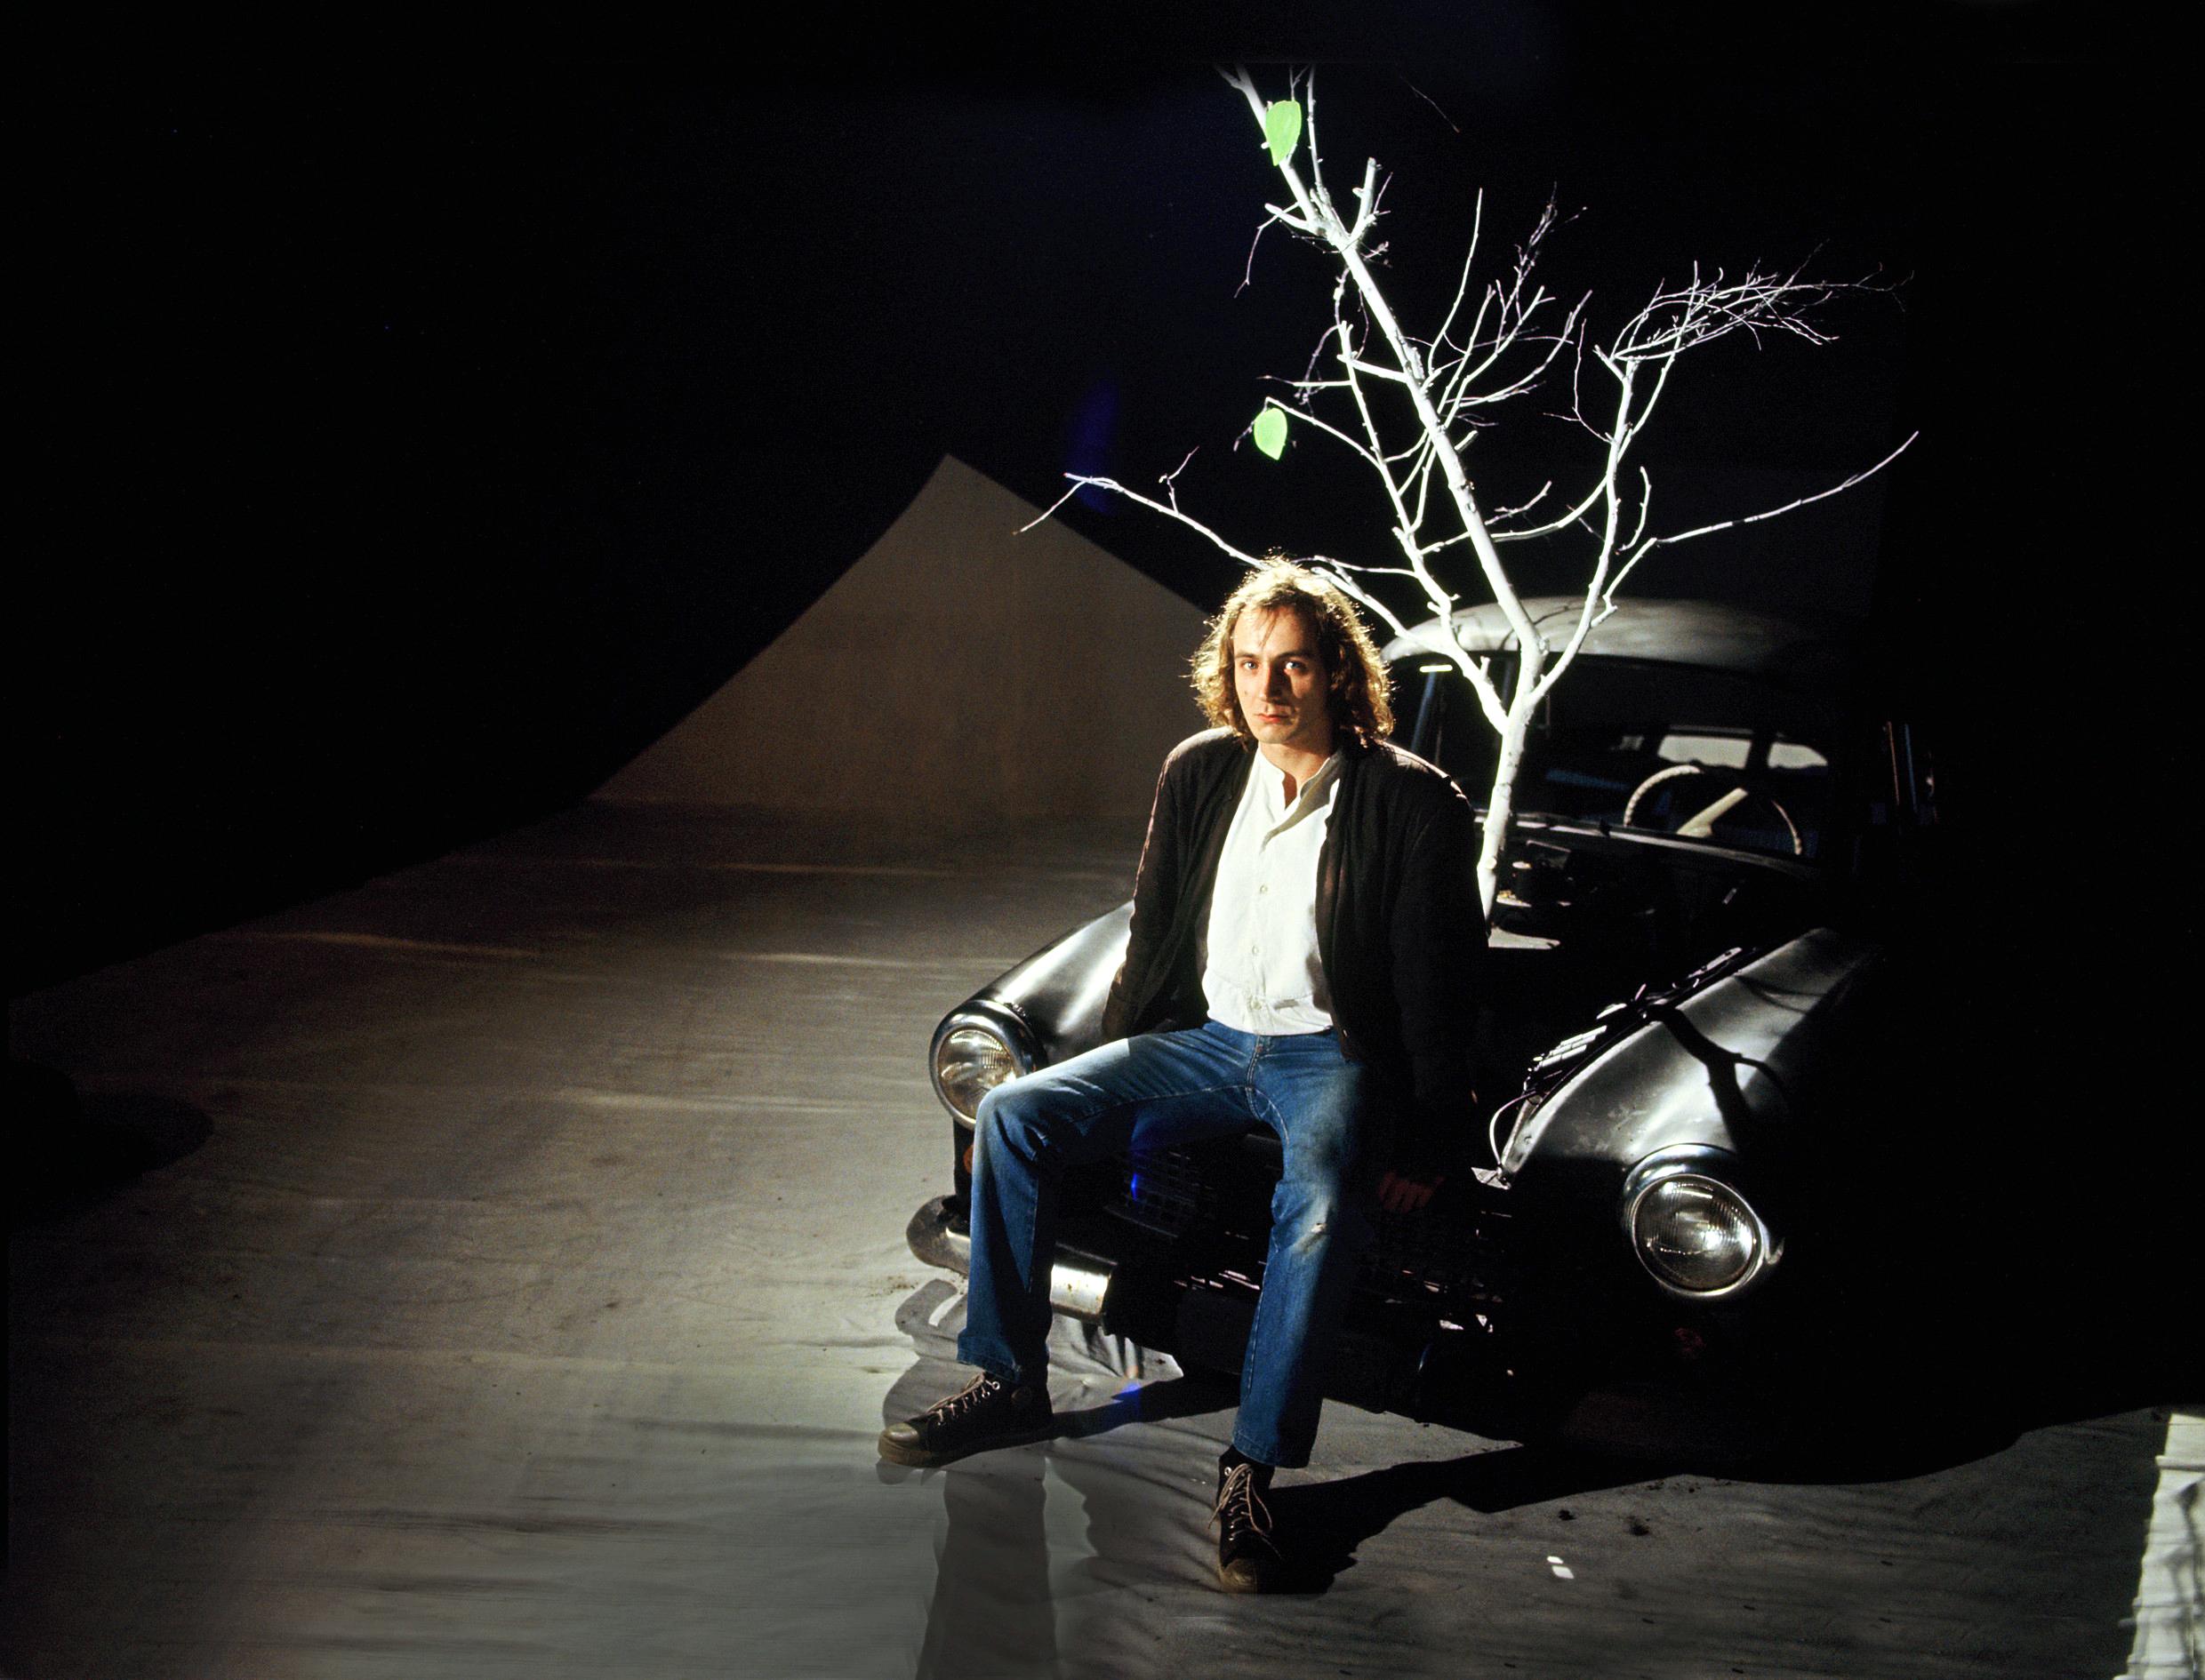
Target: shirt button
x=1263, y=889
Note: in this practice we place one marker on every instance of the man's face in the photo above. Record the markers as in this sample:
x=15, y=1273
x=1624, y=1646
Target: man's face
x=1280, y=680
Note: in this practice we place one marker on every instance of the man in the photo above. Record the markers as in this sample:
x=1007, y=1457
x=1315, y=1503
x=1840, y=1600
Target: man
x=1305, y=931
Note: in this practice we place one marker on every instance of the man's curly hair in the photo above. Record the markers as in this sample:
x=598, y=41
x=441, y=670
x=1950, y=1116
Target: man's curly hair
x=1361, y=691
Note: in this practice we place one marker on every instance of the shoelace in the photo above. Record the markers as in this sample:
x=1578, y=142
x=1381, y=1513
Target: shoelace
x=970, y=1395
x=1240, y=1508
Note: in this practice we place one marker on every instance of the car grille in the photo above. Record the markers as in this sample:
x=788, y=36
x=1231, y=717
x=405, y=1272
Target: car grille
x=1455, y=1258
x=1163, y=1191
x=1457, y=1261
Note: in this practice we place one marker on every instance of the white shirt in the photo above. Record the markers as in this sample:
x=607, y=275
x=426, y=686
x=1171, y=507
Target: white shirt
x=1263, y=974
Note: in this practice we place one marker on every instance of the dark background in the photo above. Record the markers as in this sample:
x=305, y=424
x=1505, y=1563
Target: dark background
x=417, y=429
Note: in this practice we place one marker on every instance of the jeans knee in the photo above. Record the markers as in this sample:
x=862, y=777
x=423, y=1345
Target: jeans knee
x=1311, y=1223
x=1315, y=1233
x=988, y=1121
x=1004, y=1122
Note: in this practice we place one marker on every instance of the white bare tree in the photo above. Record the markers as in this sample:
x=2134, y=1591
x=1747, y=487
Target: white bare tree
x=1517, y=337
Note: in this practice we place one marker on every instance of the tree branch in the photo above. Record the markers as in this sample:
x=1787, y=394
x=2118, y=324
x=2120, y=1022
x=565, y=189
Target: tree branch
x=1170, y=511
x=1652, y=543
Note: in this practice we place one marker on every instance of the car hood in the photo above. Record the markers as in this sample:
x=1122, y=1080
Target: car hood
x=1805, y=654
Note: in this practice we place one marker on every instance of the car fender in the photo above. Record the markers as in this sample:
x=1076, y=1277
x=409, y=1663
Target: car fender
x=1741, y=1075
x=1059, y=993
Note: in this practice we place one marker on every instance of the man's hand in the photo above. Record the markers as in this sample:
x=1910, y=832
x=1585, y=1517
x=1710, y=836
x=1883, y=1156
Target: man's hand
x=1398, y=1195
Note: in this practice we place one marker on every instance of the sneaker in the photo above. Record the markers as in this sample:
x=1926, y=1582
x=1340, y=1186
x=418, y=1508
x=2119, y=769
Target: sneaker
x=1247, y=1558
x=987, y=1412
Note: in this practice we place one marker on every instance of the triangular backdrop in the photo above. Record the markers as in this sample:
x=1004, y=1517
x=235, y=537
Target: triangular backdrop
x=959, y=669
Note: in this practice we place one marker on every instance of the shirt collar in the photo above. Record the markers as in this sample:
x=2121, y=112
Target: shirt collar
x=1274, y=787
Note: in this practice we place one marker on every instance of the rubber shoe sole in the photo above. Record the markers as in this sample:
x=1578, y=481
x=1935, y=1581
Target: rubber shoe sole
x=919, y=1457
x=1248, y=1575
x=908, y=1442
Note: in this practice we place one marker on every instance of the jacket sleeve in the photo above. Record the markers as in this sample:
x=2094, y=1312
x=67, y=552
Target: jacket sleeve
x=1439, y=943
x=1155, y=896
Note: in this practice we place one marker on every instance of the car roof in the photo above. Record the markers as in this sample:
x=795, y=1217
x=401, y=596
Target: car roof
x=1793, y=652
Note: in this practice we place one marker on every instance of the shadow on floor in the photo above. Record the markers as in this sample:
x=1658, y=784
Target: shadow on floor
x=67, y=1152
x=1914, y=1408
x=1324, y=1524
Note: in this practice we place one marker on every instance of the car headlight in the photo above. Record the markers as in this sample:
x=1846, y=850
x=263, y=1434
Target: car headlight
x=968, y=1064
x=1696, y=1234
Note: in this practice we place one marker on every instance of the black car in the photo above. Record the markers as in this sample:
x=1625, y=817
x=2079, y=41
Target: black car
x=1692, y=991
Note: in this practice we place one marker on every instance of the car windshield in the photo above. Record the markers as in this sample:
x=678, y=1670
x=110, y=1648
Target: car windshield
x=1664, y=749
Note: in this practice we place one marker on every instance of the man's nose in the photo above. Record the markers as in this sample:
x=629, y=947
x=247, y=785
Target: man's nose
x=1275, y=682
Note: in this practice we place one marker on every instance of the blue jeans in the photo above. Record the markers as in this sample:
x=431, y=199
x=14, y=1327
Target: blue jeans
x=1149, y=1092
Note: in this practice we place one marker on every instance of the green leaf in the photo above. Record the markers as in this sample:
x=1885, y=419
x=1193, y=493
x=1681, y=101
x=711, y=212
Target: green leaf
x=1271, y=429
x=1282, y=126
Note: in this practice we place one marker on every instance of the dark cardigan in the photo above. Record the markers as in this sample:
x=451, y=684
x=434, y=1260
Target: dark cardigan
x=1400, y=929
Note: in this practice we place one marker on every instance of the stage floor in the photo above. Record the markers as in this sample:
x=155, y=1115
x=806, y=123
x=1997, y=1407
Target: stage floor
x=528, y=1286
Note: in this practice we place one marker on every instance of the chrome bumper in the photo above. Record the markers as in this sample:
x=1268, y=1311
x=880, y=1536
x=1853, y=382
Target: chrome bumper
x=1078, y=1281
